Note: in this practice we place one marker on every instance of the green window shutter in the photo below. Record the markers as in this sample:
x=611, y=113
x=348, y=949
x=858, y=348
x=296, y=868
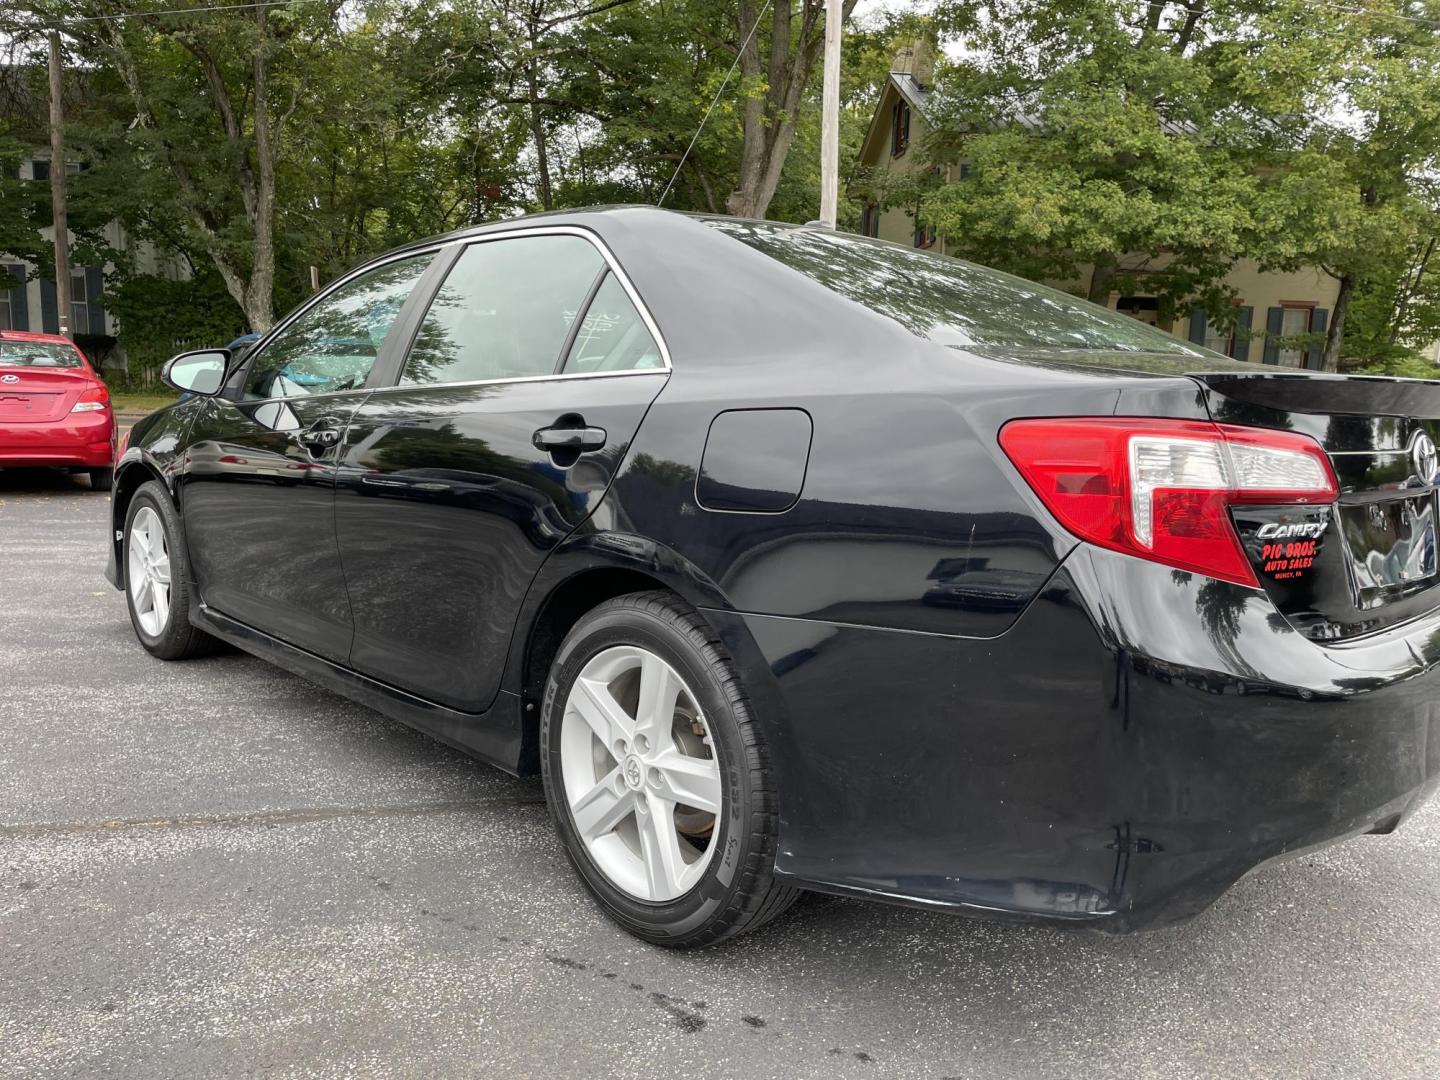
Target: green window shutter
x=49, y=320
x=1246, y=316
x=1198, y=322
x=94, y=285
x=1274, y=322
x=1318, y=320
x=19, y=303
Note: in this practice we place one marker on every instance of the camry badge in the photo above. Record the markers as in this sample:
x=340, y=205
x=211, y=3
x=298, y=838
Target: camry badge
x=16, y=378
x=1424, y=457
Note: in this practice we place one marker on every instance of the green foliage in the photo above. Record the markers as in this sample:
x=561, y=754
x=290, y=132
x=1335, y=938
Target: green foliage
x=159, y=317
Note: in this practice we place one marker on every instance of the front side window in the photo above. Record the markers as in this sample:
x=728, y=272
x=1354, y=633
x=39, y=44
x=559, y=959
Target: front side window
x=949, y=301
x=612, y=336
x=505, y=310
x=334, y=344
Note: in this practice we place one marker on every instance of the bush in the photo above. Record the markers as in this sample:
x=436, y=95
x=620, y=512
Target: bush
x=159, y=317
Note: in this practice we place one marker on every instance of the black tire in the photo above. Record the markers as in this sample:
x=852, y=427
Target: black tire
x=178, y=639
x=101, y=479
x=737, y=891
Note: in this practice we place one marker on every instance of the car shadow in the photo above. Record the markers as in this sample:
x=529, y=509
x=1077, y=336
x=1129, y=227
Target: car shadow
x=44, y=482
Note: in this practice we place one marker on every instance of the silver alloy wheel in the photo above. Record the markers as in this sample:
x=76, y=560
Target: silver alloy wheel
x=640, y=774
x=147, y=572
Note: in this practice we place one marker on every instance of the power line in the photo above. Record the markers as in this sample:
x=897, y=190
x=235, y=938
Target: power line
x=1352, y=10
x=191, y=10
x=713, y=101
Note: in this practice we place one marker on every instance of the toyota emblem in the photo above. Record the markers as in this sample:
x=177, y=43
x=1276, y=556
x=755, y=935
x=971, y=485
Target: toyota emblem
x=1424, y=457
x=9, y=378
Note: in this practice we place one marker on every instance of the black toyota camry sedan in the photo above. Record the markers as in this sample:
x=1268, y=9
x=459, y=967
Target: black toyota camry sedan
x=797, y=560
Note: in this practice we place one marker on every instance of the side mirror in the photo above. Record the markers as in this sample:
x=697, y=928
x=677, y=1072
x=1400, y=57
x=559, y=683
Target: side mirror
x=201, y=372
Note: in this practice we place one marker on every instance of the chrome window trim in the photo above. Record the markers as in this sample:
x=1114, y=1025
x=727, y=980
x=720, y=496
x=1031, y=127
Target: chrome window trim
x=615, y=268
x=552, y=377
x=339, y=283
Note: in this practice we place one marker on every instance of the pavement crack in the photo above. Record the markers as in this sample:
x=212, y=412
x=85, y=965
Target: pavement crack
x=299, y=816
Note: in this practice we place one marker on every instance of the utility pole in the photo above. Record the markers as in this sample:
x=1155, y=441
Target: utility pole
x=57, y=189
x=830, y=116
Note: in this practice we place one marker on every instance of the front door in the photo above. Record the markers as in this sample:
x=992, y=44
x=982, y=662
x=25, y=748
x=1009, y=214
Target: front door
x=258, y=488
x=526, y=383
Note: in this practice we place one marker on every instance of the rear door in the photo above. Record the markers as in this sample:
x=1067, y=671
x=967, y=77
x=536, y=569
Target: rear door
x=524, y=386
x=258, y=487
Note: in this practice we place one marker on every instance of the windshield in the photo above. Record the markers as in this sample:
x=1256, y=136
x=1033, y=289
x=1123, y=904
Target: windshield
x=948, y=300
x=38, y=354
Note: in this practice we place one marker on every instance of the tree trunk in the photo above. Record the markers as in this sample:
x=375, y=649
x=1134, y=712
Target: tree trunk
x=259, y=300
x=769, y=118
x=537, y=123
x=1335, y=333
x=1100, y=278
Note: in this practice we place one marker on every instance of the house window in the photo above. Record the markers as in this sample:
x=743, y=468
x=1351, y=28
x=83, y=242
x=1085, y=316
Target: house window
x=1294, y=320
x=1219, y=338
x=899, y=128
x=80, y=306
x=1145, y=309
x=9, y=316
x=870, y=220
x=965, y=170
x=40, y=170
x=924, y=234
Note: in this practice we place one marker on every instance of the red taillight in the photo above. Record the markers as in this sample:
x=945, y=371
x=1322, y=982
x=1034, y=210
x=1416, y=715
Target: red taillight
x=1162, y=489
x=93, y=399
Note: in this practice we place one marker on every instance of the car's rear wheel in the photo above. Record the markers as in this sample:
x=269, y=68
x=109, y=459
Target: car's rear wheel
x=157, y=578
x=101, y=479
x=657, y=774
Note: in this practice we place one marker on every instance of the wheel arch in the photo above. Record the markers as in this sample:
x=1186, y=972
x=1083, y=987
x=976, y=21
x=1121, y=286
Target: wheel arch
x=585, y=573
x=130, y=473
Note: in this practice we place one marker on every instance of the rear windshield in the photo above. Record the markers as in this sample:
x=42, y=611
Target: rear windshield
x=948, y=300
x=37, y=354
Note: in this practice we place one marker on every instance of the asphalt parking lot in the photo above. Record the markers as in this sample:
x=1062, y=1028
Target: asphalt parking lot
x=214, y=869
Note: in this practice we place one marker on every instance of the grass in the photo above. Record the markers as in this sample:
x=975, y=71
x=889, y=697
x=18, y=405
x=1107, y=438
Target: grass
x=131, y=401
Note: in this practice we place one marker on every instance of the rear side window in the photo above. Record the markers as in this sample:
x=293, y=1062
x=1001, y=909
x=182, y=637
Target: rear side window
x=505, y=310
x=948, y=300
x=334, y=344
x=612, y=336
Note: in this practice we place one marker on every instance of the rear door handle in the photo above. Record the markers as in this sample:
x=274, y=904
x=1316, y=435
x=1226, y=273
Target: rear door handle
x=323, y=433
x=582, y=439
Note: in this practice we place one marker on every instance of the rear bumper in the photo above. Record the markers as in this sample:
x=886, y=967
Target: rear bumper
x=1134, y=744
x=81, y=439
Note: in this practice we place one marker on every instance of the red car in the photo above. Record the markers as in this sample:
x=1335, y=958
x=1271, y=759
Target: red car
x=54, y=410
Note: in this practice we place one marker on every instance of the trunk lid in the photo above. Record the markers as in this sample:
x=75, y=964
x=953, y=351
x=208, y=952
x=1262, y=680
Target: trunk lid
x=35, y=395
x=1369, y=561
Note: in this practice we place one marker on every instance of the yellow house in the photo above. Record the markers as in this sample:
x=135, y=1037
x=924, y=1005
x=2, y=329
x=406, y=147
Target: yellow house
x=1271, y=305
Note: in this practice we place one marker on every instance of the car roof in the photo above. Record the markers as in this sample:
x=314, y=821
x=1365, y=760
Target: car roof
x=576, y=216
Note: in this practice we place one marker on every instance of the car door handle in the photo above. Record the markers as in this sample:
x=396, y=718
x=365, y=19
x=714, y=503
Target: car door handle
x=582, y=439
x=322, y=434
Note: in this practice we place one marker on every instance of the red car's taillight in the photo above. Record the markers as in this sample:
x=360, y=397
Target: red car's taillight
x=95, y=399
x=1162, y=489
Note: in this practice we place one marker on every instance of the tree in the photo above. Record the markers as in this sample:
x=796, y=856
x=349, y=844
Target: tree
x=210, y=98
x=1355, y=149
x=773, y=94
x=1094, y=133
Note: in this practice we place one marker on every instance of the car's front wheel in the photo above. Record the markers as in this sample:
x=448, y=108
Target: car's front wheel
x=157, y=578
x=657, y=774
